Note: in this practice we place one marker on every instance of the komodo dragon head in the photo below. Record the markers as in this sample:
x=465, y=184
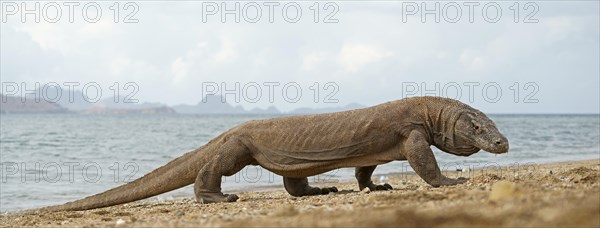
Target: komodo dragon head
x=473, y=131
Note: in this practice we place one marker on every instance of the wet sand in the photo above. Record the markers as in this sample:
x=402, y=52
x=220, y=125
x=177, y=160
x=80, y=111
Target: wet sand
x=558, y=194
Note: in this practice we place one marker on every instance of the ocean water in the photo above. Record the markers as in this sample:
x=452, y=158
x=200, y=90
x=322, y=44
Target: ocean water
x=55, y=158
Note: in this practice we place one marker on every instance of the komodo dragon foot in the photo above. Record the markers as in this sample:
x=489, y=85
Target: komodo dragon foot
x=363, y=176
x=216, y=197
x=300, y=187
x=376, y=187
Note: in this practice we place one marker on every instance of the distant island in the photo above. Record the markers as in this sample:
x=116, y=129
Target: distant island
x=134, y=111
x=115, y=106
x=213, y=105
x=10, y=104
x=29, y=105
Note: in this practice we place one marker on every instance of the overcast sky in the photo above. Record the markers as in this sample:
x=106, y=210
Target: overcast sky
x=375, y=52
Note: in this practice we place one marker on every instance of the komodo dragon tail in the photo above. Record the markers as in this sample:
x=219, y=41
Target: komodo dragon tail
x=178, y=173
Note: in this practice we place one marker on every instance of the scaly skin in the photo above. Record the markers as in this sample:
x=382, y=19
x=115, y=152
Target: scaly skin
x=300, y=146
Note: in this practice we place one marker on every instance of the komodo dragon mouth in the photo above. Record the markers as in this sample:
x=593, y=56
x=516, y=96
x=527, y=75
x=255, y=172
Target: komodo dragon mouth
x=460, y=150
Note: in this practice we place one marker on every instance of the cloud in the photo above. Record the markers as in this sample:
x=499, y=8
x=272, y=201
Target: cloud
x=311, y=60
x=65, y=37
x=353, y=57
x=472, y=60
x=178, y=70
x=227, y=52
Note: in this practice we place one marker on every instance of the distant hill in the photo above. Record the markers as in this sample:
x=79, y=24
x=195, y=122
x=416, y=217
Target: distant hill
x=214, y=105
x=10, y=104
x=269, y=110
x=76, y=101
x=121, y=103
x=129, y=111
x=72, y=100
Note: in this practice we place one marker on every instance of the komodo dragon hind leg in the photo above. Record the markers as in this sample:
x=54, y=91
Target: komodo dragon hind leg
x=230, y=158
x=300, y=187
x=363, y=176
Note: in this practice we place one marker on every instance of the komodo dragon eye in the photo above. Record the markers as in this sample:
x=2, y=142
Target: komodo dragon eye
x=476, y=127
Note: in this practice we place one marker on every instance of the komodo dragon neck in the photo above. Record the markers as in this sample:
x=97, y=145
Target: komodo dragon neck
x=440, y=116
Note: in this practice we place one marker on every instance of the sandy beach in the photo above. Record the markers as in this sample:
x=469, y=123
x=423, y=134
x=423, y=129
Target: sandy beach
x=558, y=194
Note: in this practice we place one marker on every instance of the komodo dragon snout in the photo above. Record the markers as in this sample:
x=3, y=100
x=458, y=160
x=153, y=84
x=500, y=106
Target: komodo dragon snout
x=477, y=130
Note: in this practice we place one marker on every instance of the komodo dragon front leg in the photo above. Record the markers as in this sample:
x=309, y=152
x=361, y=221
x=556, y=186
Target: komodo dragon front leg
x=420, y=157
x=363, y=176
x=300, y=187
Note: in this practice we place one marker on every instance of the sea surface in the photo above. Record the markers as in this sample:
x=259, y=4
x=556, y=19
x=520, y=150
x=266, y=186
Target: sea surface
x=54, y=158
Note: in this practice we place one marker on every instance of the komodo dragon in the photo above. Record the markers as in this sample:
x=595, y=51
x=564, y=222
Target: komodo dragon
x=296, y=147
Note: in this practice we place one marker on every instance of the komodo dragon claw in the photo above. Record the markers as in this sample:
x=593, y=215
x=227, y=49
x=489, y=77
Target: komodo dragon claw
x=379, y=187
x=328, y=190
